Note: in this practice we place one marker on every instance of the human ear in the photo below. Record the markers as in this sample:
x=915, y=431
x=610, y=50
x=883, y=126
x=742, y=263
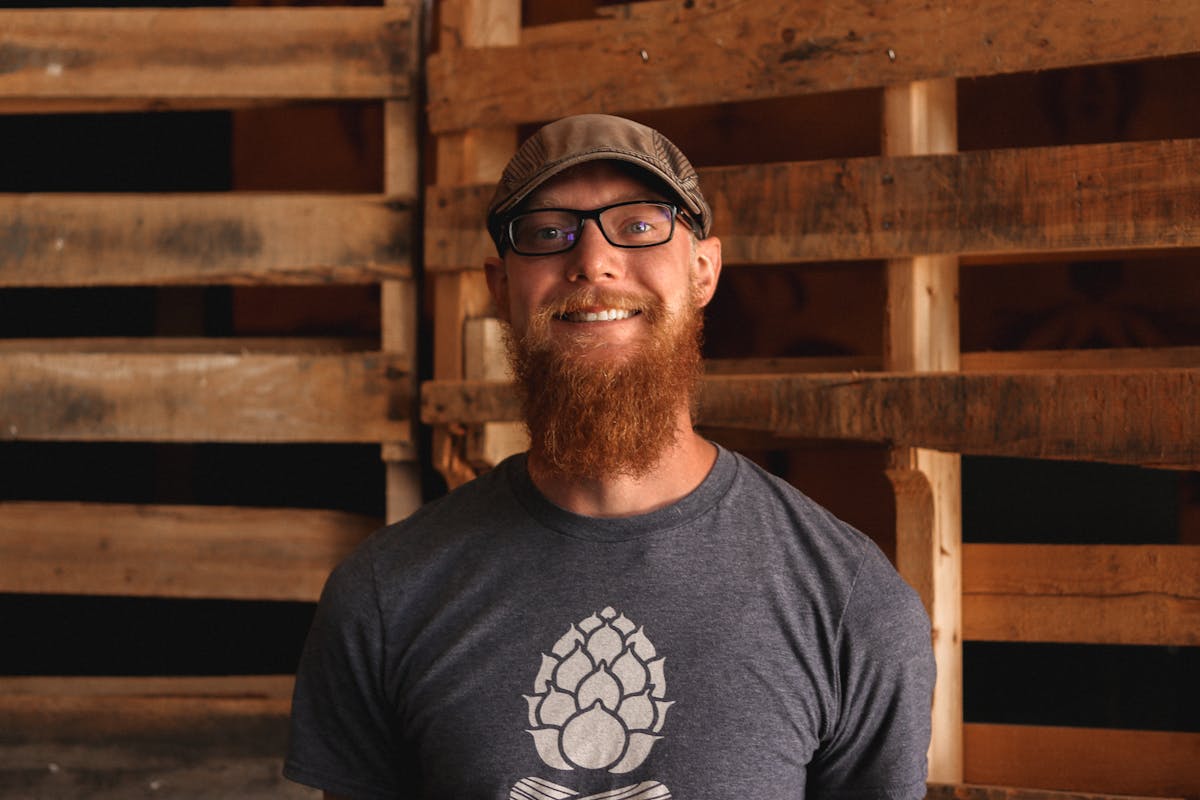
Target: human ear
x=497, y=281
x=706, y=269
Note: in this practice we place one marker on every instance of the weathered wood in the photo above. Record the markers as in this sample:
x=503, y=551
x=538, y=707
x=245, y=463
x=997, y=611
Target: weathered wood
x=173, y=551
x=110, y=739
x=1046, y=199
x=163, y=239
x=990, y=361
x=1160, y=763
x=946, y=791
x=1095, y=594
x=921, y=334
x=208, y=53
x=360, y=397
x=645, y=57
x=242, y=345
x=1149, y=417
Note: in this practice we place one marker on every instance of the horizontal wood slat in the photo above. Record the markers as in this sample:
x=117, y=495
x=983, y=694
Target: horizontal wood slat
x=950, y=791
x=990, y=361
x=218, y=238
x=209, y=52
x=1035, y=200
x=238, y=345
x=173, y=551
x=361, y=397
x=111, y=739
x=1095, y=594
x=645, y=57
x=1149, y=417
x=1158, y=763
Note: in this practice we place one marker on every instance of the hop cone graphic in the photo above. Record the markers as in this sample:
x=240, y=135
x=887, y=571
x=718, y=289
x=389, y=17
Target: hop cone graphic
x=597, y=701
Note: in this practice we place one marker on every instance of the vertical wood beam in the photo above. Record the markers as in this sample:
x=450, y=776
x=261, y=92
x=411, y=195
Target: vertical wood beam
x=922, y=334
x=467, y=157
x=398, y=299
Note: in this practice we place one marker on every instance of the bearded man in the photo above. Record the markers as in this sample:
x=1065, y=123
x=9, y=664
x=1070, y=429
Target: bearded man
x=628, y=610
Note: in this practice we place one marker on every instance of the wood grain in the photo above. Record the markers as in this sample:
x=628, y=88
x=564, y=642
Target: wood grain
x=173, y=551
x=645, y=55
x=208, y=53
x=164, y=239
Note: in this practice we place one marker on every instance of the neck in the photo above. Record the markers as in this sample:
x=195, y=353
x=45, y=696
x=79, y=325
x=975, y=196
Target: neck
x=679, y=470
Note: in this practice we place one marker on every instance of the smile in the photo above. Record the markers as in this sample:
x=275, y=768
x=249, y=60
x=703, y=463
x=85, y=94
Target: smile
x=604, y=315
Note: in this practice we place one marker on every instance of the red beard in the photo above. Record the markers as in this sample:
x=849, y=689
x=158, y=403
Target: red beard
x=602, y=417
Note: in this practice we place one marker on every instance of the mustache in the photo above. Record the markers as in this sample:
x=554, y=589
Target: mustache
x=586, y=297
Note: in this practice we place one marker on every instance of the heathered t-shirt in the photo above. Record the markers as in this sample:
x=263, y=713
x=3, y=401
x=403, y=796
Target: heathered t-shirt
x=741, y=643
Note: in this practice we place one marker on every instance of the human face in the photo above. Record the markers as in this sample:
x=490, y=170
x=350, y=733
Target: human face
x=600, y=297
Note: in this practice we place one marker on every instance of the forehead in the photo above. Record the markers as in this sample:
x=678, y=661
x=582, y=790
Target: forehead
x=594, y=184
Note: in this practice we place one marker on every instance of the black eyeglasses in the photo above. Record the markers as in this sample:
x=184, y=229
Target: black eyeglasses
x=636, y=223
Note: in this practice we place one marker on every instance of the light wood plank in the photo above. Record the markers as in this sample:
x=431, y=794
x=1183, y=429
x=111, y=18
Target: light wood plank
x=1159, y=763
x=208, y=53
x=165, y=239
x=921, y=334
x=646, y=56
x=1095, y=594
x=1148, y=417
x=1123, y=196
x=173, y=551
x=203, y=398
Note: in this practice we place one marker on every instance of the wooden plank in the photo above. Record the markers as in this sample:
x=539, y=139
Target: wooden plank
x=358, y=397
x=398, y=299
x=173, y=551
x=990, y=361
x=1132, y=195
x=1095, y=594
x=278, y=687
x=965, y=791
x=165, y=239
x=921, y=334
x=134, y=737
x=467, y=157
x=645, y=57
x=1084, y=760
x=1149, y=417
x=195, y=345
x=208, y=53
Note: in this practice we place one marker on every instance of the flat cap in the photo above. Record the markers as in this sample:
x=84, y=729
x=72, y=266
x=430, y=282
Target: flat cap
x=575, y=140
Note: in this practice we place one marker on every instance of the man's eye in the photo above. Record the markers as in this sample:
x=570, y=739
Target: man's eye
x=548, y=234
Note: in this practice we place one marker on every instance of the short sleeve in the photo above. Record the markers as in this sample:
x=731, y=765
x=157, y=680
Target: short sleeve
x=343, y=727
x=877, y=748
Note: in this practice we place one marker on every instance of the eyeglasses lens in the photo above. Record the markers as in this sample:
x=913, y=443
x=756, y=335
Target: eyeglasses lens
x=550, y=231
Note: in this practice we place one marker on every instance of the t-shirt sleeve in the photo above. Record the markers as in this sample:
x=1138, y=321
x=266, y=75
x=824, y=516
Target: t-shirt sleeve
x=877, y=747
x=343, y=727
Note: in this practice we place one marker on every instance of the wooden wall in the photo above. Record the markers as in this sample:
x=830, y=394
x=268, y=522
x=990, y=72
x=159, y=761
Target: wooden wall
x=280, y=253
x=942, y=230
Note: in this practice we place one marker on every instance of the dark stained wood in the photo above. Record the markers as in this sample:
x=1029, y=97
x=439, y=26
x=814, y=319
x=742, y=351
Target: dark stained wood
x=1149, y=417
x=91, y=240
x=208, y=53
x=1094, y=594
x=173, y=551
x=286, y=397
x=647, y=55
x=1035, y=200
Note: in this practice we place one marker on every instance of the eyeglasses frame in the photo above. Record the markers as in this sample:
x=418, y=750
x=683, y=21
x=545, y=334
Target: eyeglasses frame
x=594, y=215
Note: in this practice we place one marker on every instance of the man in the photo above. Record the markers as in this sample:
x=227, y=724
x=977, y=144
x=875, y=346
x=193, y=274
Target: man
x=627, y=610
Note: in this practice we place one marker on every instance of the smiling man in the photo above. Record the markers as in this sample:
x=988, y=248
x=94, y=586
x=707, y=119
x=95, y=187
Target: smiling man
x=628, y=610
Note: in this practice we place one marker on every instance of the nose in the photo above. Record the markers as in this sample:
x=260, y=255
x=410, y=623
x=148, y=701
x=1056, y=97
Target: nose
x=593, y=258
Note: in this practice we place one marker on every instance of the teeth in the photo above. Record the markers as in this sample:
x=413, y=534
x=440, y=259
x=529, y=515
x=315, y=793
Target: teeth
x=607, y=315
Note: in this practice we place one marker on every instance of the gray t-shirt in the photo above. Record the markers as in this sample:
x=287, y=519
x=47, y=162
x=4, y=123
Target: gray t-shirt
x=741, y=643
